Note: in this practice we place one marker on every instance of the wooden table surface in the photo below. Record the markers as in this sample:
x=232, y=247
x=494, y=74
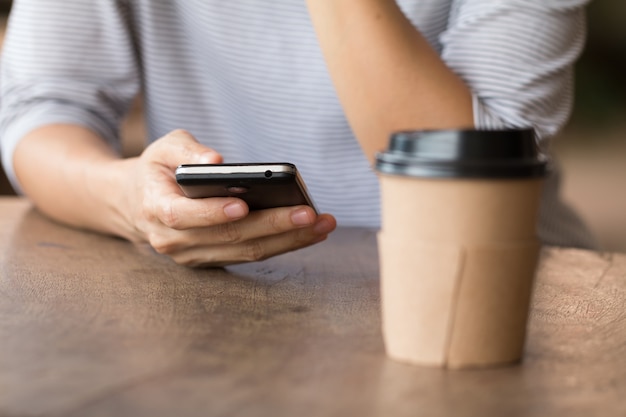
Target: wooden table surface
x=96, y=326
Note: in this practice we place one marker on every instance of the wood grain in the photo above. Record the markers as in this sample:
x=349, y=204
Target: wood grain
x=96, y=326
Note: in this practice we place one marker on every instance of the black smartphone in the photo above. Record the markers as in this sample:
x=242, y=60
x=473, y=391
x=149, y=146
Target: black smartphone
x=260, y=185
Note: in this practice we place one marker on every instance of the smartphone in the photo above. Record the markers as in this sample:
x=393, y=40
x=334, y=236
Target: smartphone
x=260, y=185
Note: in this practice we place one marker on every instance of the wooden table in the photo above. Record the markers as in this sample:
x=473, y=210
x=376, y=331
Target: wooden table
x=95, y=326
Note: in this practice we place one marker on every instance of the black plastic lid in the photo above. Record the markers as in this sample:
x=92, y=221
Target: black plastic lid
x=463, y=153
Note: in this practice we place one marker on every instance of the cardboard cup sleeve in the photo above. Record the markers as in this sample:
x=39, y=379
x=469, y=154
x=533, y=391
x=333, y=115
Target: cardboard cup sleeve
x=455, y=306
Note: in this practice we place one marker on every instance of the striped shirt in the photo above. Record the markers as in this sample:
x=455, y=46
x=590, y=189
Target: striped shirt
x=247, y=78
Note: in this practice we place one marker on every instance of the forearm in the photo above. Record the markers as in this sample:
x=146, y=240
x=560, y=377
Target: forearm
x=386, y=74
x=74, y=177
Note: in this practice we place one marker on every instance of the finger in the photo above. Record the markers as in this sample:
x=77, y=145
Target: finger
x=253, y=250
x=181, y=147
x=256, y=224
x=181, y=213
x=276, y=221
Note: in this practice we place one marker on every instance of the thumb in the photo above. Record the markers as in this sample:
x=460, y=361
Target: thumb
x=180, y=147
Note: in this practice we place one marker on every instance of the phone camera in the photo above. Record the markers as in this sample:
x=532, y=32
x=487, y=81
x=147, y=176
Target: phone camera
x=268, y=174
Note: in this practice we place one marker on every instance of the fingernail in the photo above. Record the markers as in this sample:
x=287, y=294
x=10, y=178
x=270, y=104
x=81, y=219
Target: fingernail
x=323, y=227
x=206, y=158
x=235, y=210
x=301, y=217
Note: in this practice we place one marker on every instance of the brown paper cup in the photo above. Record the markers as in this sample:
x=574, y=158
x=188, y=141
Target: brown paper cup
x=418, y=295
x=458, y=246
x=458, y=258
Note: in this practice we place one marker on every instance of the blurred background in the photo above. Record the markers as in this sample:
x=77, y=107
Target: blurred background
x=592, y=147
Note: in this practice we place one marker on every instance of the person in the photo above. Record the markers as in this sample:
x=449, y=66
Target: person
x=319, y=83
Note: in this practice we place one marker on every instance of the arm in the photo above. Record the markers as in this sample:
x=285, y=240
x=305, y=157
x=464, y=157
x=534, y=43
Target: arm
x=386, y=74
x=67, y=79
x=73, y=176
x=502, y=64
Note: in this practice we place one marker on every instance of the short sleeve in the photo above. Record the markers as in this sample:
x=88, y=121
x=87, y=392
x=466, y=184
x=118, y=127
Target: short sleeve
x=70, y=62
x=517, y=57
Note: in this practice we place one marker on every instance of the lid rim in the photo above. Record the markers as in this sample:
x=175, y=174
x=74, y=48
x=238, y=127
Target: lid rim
x=505, y=153
x=535, y=172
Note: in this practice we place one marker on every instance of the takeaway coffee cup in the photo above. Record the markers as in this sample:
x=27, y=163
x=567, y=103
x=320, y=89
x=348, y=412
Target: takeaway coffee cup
x=458, y=246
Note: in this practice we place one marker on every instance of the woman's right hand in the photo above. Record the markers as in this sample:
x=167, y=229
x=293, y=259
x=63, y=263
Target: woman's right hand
x=210, y=231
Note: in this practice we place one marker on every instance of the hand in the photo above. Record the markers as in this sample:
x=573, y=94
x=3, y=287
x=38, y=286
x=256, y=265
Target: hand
x=211, y=231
